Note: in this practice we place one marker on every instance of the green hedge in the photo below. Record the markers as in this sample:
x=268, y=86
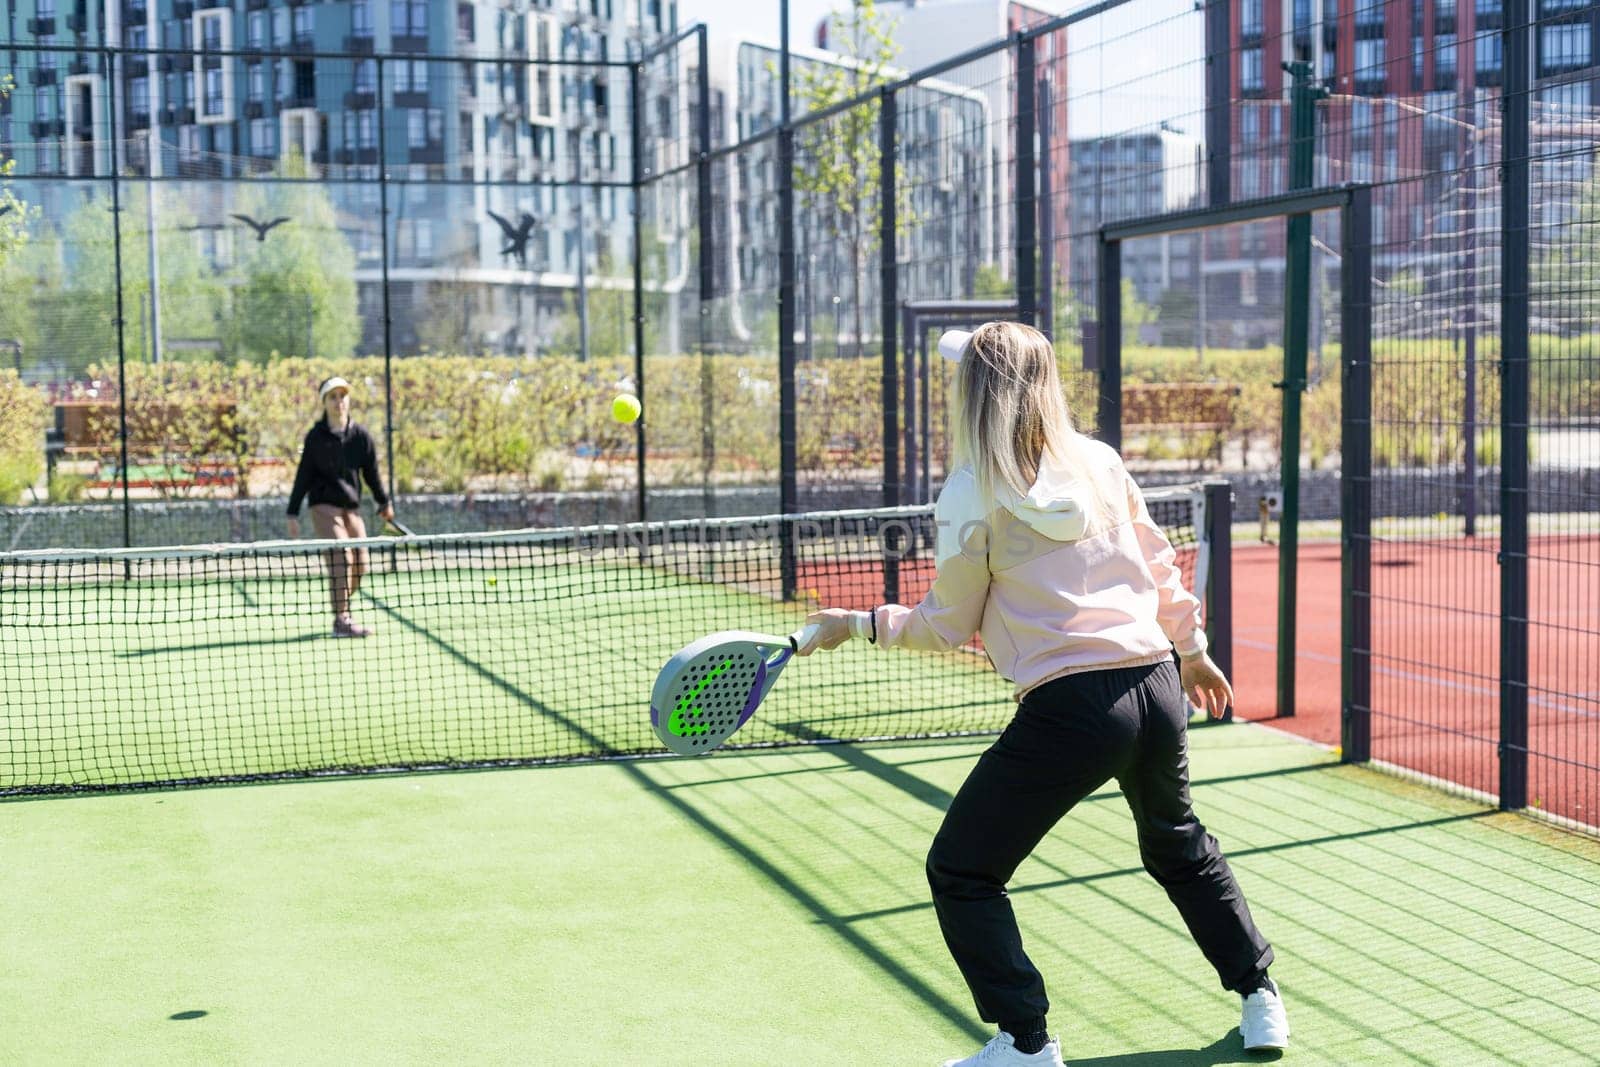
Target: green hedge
x=544, y=423
x=22, y=425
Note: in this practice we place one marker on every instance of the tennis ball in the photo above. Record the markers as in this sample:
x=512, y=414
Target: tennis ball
x=625, y=408
x=491, y=581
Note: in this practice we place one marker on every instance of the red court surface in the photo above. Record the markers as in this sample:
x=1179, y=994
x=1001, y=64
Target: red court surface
x=1436, y=659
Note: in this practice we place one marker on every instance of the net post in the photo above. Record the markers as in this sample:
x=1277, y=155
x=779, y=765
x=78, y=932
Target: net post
x=1514, y=410
x=1218, y=592
x=1108, y=415
x=1355, y=481
x=707, y=268
x=889, y=280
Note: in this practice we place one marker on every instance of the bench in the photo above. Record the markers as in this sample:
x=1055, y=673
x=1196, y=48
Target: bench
x=1185, y=407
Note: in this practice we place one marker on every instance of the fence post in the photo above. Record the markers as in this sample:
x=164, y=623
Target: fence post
x=383, y=242
x=788, y=490
x=1513, y=748
x=707, y=227
x=1219, y=110
x=1355, y=481
x=636, y=103
x=1296, y=341
x=889, y=283
x=108, y=62
x=1026, y=201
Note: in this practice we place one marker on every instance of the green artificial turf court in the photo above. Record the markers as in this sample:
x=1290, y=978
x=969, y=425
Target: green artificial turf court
x=768, y=908
x=229, y=670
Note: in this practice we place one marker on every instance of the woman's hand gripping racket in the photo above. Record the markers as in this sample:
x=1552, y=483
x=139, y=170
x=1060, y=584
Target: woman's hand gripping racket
x=712, y=686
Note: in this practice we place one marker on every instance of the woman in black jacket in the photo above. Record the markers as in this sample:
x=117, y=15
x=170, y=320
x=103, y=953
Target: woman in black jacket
x=338, y=453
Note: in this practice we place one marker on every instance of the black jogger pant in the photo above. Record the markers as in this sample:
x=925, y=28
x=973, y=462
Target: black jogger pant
x=1068, y=738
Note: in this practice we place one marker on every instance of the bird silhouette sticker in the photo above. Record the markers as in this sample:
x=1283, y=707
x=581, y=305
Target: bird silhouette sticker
x=261, y=228
x=516, y=237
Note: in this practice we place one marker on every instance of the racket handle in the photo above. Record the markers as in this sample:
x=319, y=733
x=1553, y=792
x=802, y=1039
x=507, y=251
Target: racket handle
x=804, y=636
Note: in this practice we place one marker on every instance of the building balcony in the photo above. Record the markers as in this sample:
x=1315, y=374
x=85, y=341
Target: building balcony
x=177, y=116
x=78, y=65
x=203, y=4
x=409, y=43
x=42, y=27
x=356, y=156
x=360, y=99
x=139, y=120
x=254, y=109
x=182, y=9
x=42, y=76
x=83, y=131
x=430, y=153
x=77, y=23
x=360, y=44
x=295, y=99
x=411, y=99
x=48, y=128
x=302, y=42
x=254, y=5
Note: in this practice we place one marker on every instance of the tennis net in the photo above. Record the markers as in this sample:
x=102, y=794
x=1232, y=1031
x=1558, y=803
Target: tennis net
x=159, y=667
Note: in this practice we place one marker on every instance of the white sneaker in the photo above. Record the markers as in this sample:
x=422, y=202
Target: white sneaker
x=1264, y=1024
x=1001, y=1051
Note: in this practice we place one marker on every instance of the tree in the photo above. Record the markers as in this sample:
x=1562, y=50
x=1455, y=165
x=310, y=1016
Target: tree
x=300, y=274
x=82, y=329
x=18, y=319
x=1135, y=313
x=1566, y=268
x=839, y=176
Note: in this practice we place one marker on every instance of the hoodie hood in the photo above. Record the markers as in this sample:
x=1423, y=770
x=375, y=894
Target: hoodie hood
x=1057, y=506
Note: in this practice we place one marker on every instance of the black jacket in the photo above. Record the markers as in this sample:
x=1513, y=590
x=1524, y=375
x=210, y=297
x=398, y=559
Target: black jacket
x=332, y=466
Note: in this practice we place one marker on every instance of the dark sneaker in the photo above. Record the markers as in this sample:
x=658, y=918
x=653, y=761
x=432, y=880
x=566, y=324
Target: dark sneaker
x=348, y=627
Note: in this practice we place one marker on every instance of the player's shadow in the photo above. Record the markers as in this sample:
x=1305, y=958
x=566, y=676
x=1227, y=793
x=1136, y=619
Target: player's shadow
x=1226, y=1049
x=216, y=646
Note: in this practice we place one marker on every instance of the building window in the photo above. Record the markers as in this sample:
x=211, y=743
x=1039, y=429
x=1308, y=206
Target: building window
x=366, y=76
x=1488, y=53
x=211, y=34
x=1417, y=52
x=213, y=98
x=280, y=26
x=1250, y=71
x=1572, y=98
x=256, y=82
x=411, y=77
x=1330, y=66
x=1566, y=45
x=256, y=29
x=416, y=128
x=408, y=18
x=366, y=130
x=261, y=137
x=188, y=144
x=302, y=23
x=139, y=97
x=361, y=18
x=1369, y=13
x=1370, y=56
x=466, y=27
x=1250, y=18
x=134, y=37
x=44, y=103
x=1444, y=55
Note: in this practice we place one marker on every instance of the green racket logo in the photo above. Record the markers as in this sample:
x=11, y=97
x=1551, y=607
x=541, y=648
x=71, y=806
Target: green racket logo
x=678, y=722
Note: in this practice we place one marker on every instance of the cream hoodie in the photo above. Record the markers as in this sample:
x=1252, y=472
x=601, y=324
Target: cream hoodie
x=1047, y=600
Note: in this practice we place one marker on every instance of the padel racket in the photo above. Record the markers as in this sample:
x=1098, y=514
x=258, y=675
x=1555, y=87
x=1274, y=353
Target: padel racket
x=402, y=529
x=712, y=686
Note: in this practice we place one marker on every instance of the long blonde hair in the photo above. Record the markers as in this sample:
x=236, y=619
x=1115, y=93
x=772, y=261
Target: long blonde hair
x=1010, y=413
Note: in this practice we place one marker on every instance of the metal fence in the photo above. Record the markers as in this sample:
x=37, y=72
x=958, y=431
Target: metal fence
x=761, y=241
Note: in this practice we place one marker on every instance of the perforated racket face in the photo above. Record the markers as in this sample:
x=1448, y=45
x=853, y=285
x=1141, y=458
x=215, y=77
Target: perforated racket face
x=705, y=694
